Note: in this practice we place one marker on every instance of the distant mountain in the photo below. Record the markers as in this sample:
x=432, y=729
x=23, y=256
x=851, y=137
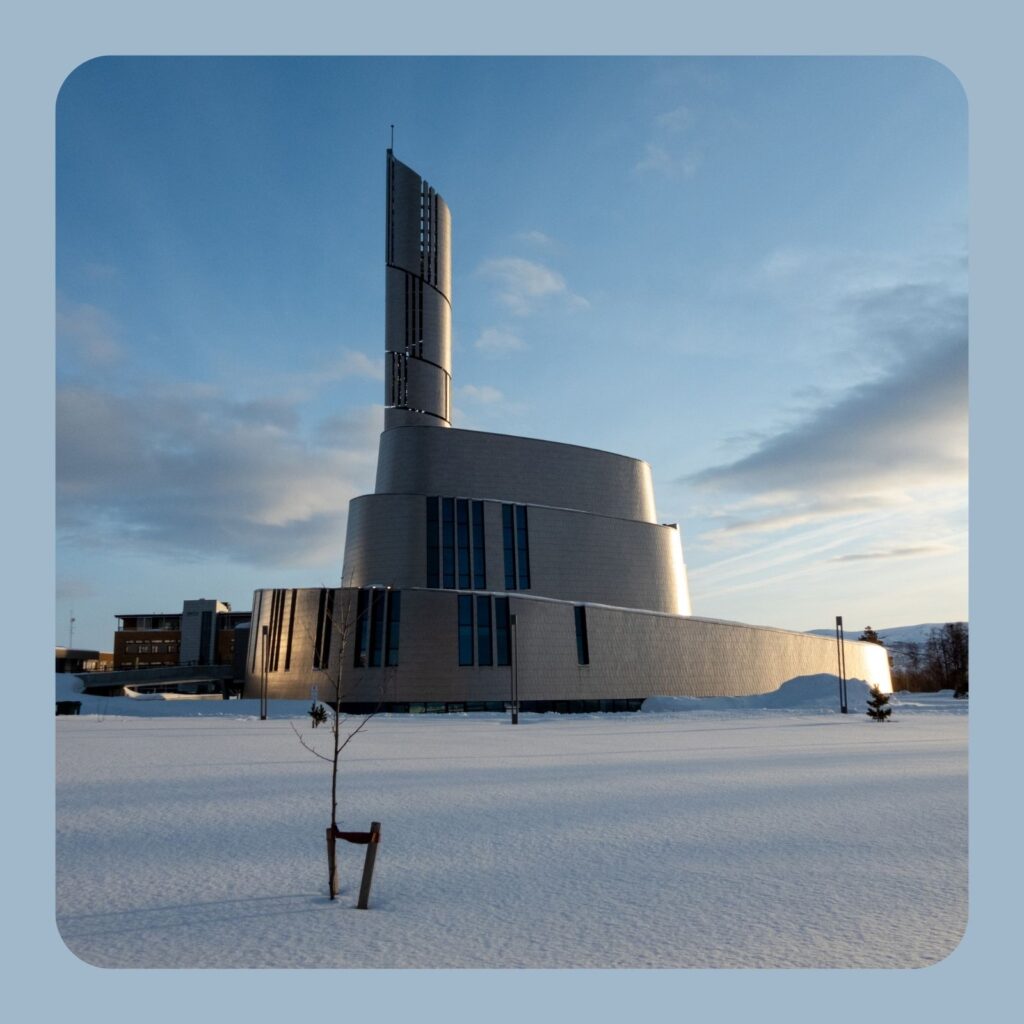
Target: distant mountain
x=893, y=635
x=895, y=638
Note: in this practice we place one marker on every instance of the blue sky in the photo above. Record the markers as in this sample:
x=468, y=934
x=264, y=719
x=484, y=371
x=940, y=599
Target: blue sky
x=750, y=272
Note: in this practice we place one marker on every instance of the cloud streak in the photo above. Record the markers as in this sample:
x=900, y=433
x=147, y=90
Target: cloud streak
x=883, y=442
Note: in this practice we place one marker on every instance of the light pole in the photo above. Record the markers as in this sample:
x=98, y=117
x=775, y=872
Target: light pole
x=841, y=656
x=515, y=671
x=263, y=679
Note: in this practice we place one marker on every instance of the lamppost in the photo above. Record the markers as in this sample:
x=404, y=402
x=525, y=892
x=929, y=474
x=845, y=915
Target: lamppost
x=263, y=679
x=515, y=671
x=841, y=656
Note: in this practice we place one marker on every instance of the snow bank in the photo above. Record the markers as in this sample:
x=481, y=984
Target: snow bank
x=805, y=693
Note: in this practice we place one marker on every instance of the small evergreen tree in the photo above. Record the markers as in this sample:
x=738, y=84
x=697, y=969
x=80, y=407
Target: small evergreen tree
x=877, y=705
x=870, y=636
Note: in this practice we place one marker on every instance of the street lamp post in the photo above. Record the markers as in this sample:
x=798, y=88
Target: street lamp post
x=515, y=671
x=841, y=656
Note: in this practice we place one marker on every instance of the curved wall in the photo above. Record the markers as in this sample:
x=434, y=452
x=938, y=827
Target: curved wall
x=632, y=654
x=416, y=460
x=574, y=556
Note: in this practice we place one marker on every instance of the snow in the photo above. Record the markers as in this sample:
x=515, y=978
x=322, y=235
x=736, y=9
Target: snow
x=191, y=834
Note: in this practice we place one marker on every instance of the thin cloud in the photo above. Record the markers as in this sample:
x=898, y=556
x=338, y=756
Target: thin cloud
x=670, y=151
x=87, y=335
x=497, y=341
x=524, y=286
x=482, y=394
x=907, y=552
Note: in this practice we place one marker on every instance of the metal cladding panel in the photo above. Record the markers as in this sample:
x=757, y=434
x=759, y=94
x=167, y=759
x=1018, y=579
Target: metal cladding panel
x=443, y=227
x=428, y=388
x=574, y=556
x=403, y=249
x=632, y=655
x=425, y=330
x=516, y=469
x=385, y=542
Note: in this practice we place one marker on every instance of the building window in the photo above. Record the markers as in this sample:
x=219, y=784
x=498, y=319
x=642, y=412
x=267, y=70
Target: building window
x=448, y=542
x=394, y=620
x=377, y=598
x=582, y=646
x=523, y=548
x=508, y=540
x=502, y=633
x=479, y=565
x=462, y=534
x=361, y=654
x=483, y=631
x=465, y=629
x=455, y=544
x=433, y=548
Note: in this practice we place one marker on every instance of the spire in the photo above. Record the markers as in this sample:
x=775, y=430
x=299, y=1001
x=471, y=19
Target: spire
x=417, y=333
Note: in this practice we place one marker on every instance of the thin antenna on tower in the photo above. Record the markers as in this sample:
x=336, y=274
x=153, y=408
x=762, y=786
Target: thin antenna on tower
x=392, y=136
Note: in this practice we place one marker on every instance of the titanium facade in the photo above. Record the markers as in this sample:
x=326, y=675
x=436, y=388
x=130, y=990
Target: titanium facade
x=479, y=550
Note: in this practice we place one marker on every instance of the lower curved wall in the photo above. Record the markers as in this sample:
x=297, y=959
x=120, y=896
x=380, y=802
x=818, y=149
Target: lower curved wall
x=632, y=654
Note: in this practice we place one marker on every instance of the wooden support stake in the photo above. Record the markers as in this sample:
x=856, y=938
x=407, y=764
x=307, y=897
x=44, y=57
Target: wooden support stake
x=371, y=856
x=332, y=864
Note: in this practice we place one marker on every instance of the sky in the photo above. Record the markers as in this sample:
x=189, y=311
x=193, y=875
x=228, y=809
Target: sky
x=751, y=272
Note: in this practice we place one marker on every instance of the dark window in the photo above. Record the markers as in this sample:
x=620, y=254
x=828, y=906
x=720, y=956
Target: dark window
x=448, y=541
x=433, y=551
x=501, y=630
x=479, y=568
x=483, y=631
x=291, y=628
x=462, y=533
x=465, y=629
x=318, y=643
x=523, y=547
x=361, y=655
x=325, y=652
x=582, y=647
x=377, y=598
x=394, y=619
x=508, y=540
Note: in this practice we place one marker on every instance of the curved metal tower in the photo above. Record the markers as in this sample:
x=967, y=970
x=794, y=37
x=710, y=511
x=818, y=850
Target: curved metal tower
x=418, y=309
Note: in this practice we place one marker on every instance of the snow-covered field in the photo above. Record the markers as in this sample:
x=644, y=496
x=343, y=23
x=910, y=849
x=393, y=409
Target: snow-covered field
x=714, y=835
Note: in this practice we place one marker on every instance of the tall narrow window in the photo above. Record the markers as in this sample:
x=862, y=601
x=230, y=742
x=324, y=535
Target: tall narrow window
x=291, y=628
x=448, y=541
x=501, y=631
x=465, y=629
x=433, y=547
x=394, y=620
x=377, y=598
x=479, y=567
x=361, y=655
x=508, y=540
x=582, y=647
x=325, y=650
x=462, y=534
x=522, y=547
x=483, y=631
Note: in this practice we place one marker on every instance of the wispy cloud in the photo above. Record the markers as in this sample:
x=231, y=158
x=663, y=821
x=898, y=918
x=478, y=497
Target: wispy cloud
x=86, y=336
x=482, y=394
x=882, y=442
x=906, y=552
x=671, y=150
x=498, y=341
x=538, y=238
x=524, y=286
